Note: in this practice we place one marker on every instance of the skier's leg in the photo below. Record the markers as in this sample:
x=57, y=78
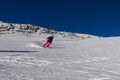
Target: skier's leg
x=45, y=44
x=49, y=43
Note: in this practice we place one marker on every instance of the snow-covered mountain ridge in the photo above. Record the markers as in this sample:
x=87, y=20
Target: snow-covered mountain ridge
x=23, y=58
x=10, y=28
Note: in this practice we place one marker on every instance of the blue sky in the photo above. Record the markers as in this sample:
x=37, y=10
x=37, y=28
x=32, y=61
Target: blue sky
x=96, y=17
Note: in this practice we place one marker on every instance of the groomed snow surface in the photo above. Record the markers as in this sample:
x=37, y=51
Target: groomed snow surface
x=23, y=58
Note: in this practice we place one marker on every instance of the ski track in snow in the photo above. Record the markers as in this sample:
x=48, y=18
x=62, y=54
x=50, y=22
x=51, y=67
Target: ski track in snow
x=19, y=60
x=22, y=60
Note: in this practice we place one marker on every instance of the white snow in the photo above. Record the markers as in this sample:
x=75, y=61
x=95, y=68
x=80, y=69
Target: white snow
x=23, y=58
x=100, y=79
x=34, y=45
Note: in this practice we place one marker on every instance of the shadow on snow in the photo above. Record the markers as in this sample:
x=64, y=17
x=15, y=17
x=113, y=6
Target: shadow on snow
x=15, y=51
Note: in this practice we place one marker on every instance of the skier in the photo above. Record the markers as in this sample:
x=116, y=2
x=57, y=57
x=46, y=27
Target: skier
x=49, y=41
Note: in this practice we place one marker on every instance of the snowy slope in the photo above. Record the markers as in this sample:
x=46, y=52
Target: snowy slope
x=89, y=59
